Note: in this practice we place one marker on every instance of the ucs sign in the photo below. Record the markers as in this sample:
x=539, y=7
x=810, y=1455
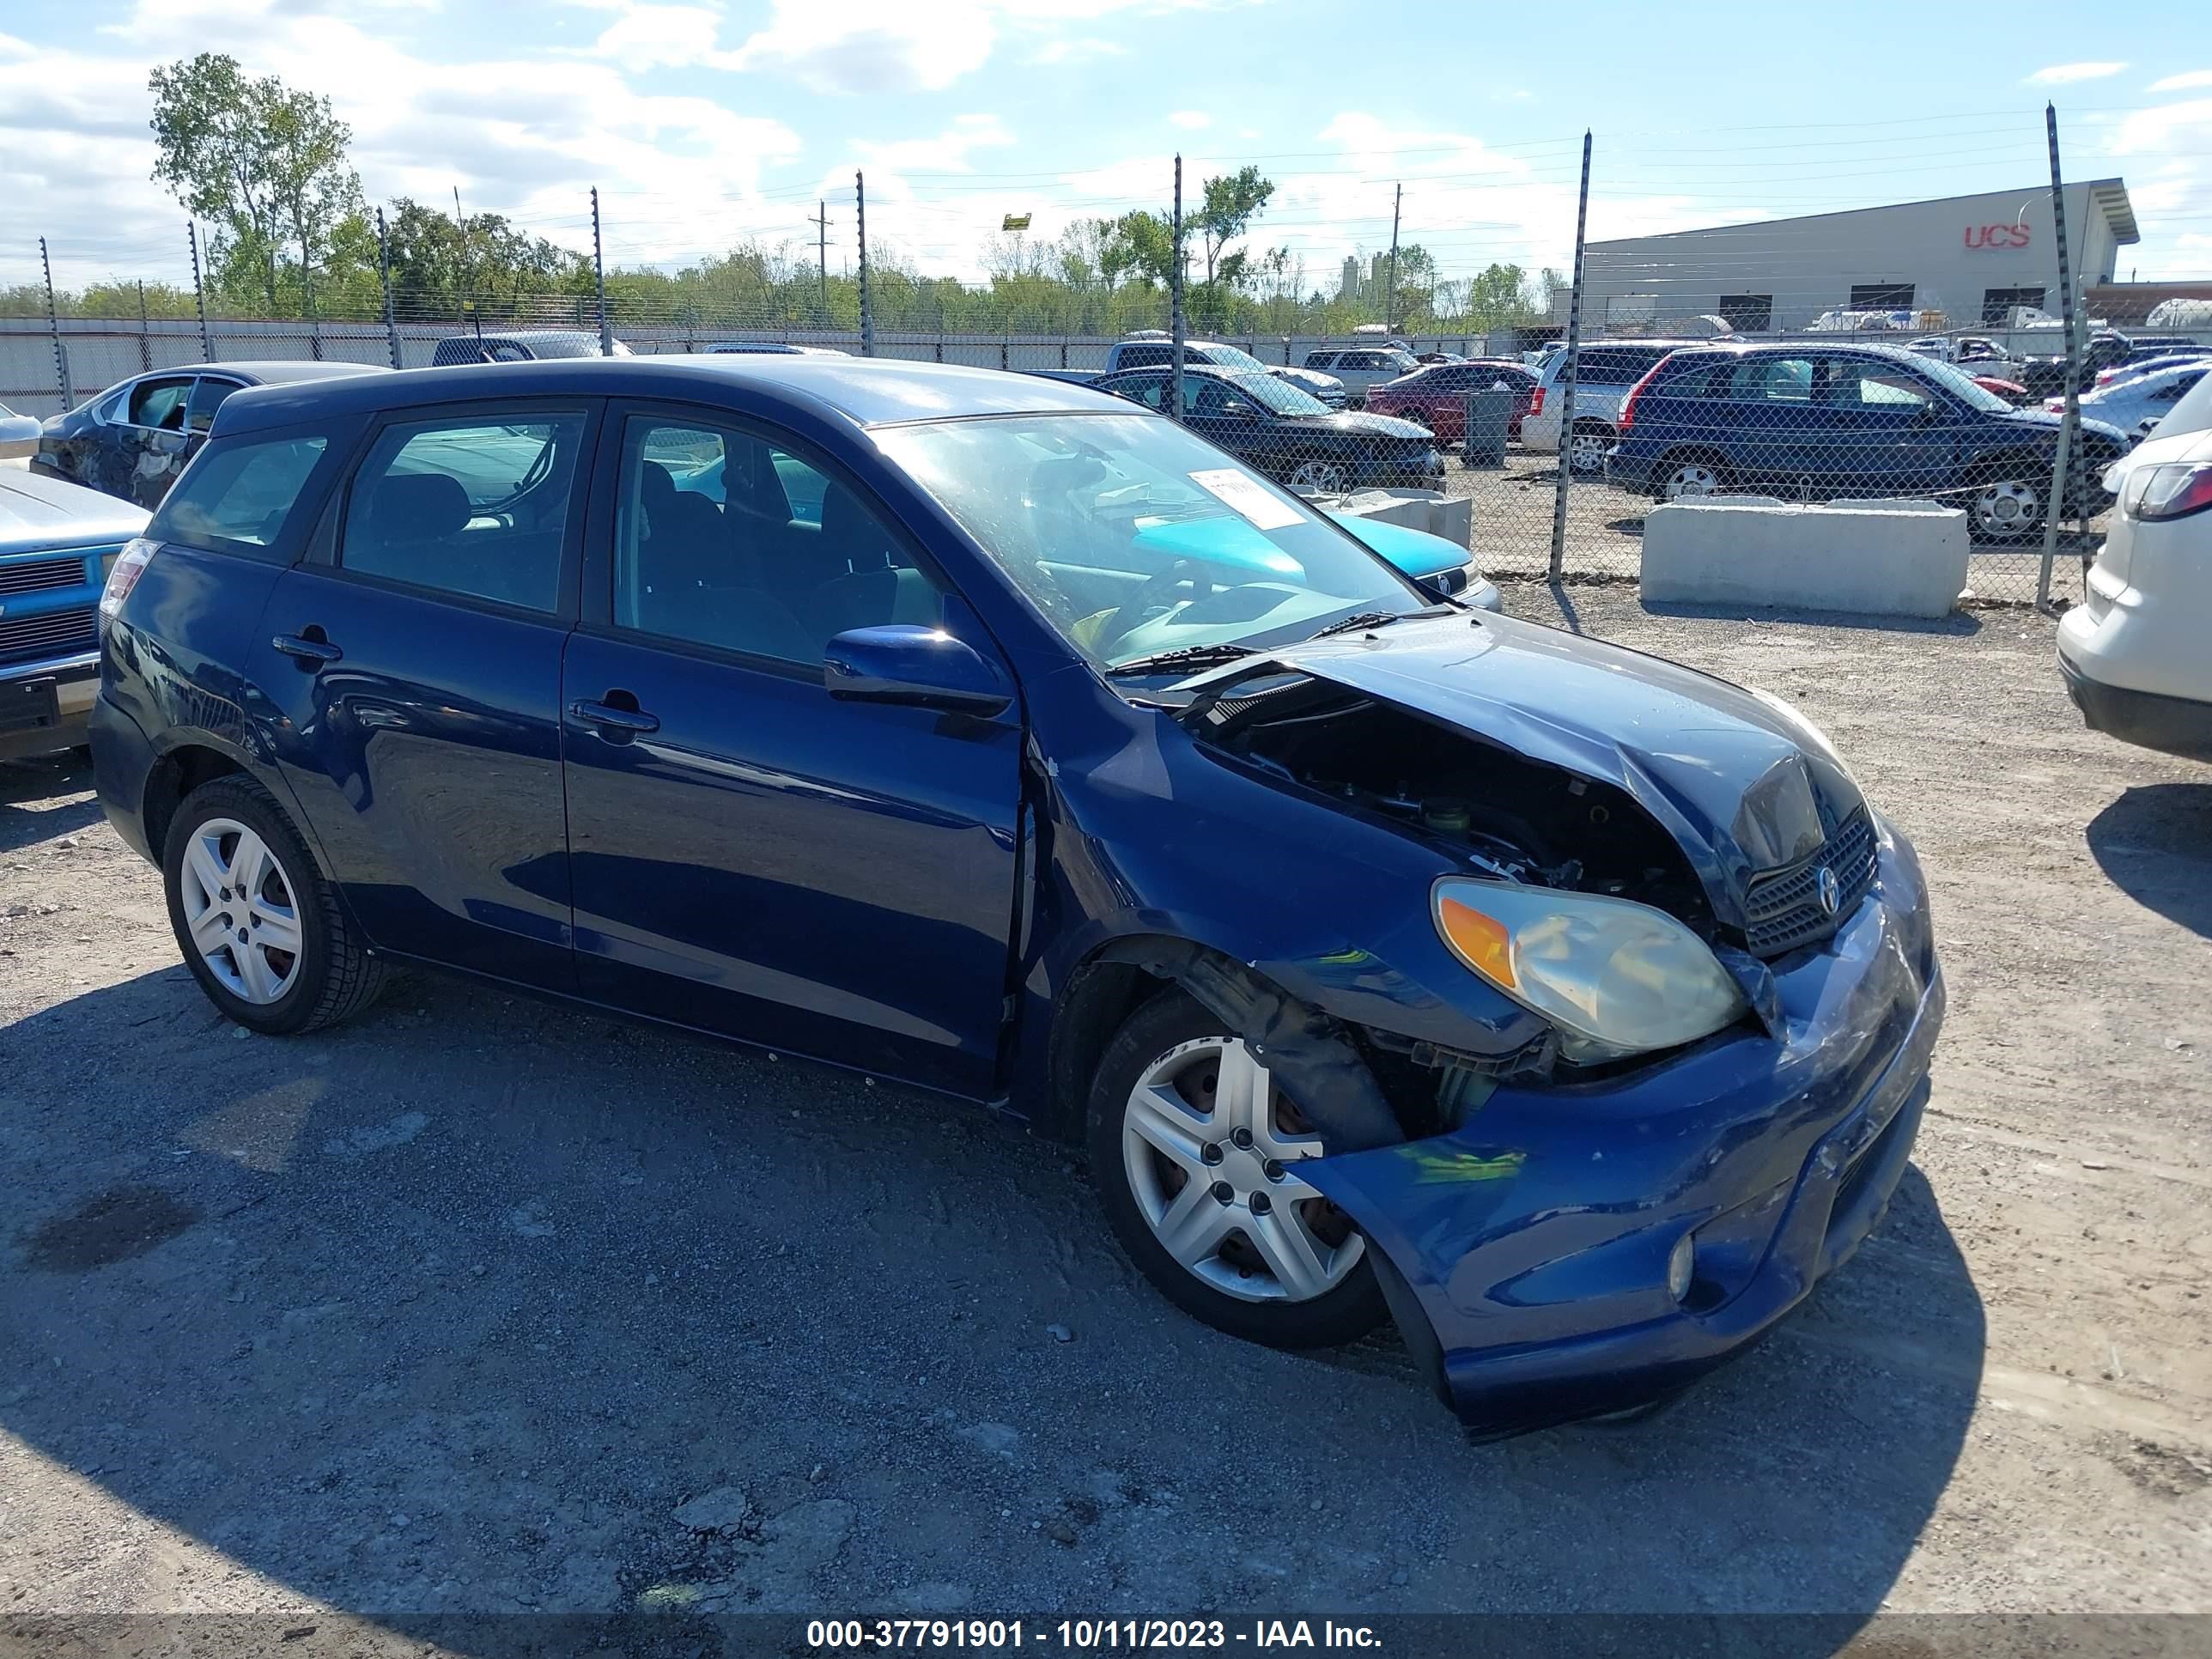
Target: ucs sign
x=1997, y=236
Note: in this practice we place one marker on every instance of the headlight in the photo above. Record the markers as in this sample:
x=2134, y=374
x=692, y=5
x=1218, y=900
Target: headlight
x=1616, y=978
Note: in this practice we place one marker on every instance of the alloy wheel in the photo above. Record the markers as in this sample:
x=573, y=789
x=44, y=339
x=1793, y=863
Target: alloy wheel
x=1691, y=480
x=1211, y=1148
x=240, y=911
x=1586, y=452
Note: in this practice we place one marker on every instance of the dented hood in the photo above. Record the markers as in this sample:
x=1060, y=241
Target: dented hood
x=1741, y=786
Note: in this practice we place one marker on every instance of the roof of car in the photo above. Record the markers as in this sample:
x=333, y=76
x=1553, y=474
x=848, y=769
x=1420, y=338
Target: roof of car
x=271, y=371
x=864, y=391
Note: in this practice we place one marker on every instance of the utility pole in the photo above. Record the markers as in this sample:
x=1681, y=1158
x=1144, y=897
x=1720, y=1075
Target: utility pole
x=1390, y=287
x=867, y=312
x=820, y=220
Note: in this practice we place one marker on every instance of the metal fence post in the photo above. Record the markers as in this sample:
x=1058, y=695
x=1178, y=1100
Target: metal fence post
x=384, y=278
x=2072, y=421
x=599, y=279
x=199, y=290
x=145, y=332
x=867, y=304
x=54, y=324
x=1174, y=303
x=1567, y=376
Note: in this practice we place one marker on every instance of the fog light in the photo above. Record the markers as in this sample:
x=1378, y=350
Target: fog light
x=1679, y=1266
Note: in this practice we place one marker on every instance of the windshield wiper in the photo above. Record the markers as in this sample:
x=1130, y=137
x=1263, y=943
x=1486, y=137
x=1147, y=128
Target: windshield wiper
x=1184, y=656
x=1378, y=619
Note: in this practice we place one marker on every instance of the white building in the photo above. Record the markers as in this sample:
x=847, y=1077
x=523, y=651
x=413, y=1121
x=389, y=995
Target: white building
x=1969, y=257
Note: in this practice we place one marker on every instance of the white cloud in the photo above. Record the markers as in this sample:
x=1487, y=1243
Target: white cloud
x=2065, y=75
x=524, y=137
x=1190, y=120
x=1077, y=48
x=2186, y=82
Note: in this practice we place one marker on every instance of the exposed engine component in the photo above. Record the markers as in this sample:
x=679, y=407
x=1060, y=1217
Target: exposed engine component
x=1560, y=831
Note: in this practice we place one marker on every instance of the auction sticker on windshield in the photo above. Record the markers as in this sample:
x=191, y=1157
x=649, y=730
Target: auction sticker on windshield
x=1246, y=496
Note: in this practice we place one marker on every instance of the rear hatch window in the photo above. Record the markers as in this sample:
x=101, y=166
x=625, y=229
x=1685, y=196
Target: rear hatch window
x=242, y=497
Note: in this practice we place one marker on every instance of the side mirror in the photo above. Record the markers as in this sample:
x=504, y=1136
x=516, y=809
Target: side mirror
x=1930, y=413
x=917, y=667
x=19, y=436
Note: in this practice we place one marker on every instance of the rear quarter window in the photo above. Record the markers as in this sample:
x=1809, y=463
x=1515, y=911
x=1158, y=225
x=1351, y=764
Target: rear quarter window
x=1700, y=377
x=244, y=497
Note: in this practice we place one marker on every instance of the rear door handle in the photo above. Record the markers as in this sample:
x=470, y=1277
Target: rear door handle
x=629, y=722
x=316, y=652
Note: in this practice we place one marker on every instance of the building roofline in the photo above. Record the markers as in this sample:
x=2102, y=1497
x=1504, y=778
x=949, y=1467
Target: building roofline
x=2109, y=195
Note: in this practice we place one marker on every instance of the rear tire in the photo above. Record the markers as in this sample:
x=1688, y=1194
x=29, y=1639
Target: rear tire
x=1586, y=448
x=1690, y=475
x=1180, y=1111
x=259, y=926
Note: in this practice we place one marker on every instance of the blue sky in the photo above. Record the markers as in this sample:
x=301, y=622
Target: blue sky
x=705, y=123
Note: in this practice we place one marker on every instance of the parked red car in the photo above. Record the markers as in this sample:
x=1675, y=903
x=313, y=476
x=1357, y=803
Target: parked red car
x=1436, y=396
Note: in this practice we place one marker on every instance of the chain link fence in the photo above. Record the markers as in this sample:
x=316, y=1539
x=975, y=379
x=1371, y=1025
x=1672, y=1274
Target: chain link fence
x=1729, y=366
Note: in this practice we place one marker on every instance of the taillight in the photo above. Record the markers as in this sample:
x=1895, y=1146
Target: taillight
x=1536, y=401
x=2054, y=405
x=2104, y=376
x=2168, y=492
x=123, y=575
x=1628, y=404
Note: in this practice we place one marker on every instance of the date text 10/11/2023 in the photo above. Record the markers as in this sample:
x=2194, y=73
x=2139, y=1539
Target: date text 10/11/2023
x=828, y=1635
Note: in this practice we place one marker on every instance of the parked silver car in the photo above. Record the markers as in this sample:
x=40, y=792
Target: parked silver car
x=1606, y=371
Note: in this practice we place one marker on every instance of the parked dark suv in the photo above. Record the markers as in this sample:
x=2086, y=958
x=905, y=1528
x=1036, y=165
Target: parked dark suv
x=1390, y=958
x=1821, y=422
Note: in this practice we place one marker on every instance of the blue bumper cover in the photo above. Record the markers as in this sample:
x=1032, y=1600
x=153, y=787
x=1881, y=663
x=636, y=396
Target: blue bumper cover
x=1525, y=1255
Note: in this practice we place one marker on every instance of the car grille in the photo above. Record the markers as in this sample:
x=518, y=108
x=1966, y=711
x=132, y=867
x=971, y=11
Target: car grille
x=48, y=634
x=33, y=575
x=1782, y=908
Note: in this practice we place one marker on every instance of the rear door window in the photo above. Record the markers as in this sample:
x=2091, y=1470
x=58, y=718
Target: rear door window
x=1772, y=380
x=159, y=403
x=476, y=508
x=240, y=498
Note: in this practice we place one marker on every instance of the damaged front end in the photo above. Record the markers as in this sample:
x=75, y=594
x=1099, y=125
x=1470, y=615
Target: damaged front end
x=1585, y=1204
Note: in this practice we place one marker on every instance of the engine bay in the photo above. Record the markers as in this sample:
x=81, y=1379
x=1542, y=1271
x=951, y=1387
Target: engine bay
x=1502, y=814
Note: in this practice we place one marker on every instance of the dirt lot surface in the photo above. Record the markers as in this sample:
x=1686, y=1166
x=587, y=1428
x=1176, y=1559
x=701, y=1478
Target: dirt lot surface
x=481, y=1305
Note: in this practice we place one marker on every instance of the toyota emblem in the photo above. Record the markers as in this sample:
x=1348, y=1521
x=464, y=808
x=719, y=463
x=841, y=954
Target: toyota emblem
x=1831, y=891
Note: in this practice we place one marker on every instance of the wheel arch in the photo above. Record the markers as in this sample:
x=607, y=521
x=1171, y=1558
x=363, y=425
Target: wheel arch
x=1314, y=1055
x=173, y=776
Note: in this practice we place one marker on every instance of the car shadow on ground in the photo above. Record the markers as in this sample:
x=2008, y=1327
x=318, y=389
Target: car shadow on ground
x=29, y=809
x=1957, y=623
x=2155, y=844
x=455, y=1310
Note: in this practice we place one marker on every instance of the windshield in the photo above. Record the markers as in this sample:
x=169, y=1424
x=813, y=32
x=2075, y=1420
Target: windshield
x=1134, y=537
x=1961, y=385
x=1230, y=356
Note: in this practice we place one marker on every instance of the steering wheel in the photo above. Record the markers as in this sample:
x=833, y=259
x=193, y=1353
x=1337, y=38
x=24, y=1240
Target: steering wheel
x=1152, y=594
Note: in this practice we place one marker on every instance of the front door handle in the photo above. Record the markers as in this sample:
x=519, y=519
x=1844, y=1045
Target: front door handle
x=612, y=721
x=310, y=648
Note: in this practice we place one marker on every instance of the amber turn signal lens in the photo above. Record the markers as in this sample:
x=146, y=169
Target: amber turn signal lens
x=1482, y=942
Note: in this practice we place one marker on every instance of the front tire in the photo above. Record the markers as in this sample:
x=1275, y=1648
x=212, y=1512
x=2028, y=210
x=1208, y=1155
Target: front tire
x=260, y=927
x=1182, y=1113
x=1318, y=472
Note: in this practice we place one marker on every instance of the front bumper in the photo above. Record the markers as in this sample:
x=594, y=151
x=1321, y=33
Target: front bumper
x=1423, y=471
x=1525, y=1255
x=44, y=705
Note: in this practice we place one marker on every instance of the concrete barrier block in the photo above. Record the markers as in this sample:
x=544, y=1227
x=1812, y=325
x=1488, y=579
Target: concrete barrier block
x=1451, y=518
x=1907, y=559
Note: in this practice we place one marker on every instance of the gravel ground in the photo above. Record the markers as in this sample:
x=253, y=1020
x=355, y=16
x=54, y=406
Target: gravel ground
x=479, y=1305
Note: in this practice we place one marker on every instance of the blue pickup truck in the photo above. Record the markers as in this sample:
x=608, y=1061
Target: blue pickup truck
x=56, y=542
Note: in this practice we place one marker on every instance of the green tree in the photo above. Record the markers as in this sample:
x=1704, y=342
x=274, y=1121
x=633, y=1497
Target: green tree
x=265, y=163
x=1227, y=207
